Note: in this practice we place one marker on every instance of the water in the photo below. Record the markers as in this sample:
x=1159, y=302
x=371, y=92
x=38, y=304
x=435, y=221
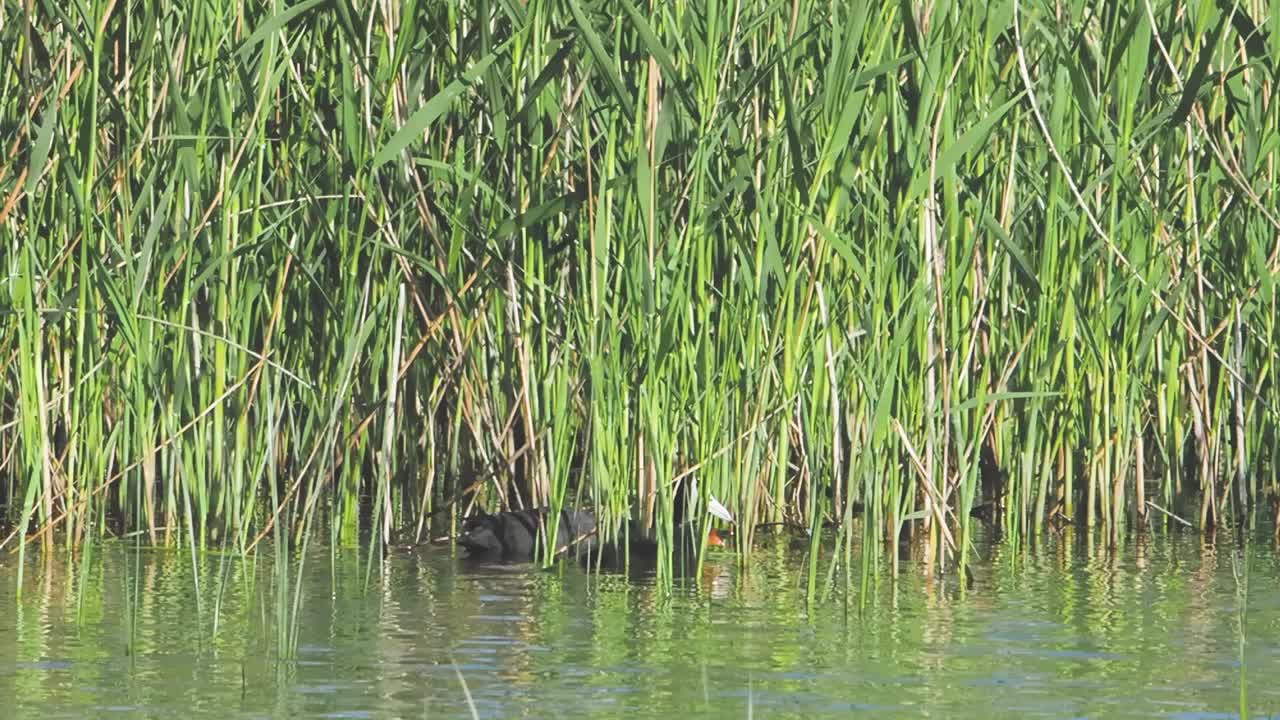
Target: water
x=1065, y=630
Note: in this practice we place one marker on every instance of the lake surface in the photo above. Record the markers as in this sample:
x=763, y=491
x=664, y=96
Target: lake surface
x=1065, y=629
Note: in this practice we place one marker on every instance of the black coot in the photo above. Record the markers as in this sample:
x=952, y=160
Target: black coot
x=515, y=535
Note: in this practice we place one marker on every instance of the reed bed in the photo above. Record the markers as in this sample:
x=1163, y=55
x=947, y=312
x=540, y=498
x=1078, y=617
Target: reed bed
x=290, y=269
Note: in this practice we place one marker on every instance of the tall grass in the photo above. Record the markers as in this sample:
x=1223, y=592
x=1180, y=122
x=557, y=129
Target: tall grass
x=270, y=264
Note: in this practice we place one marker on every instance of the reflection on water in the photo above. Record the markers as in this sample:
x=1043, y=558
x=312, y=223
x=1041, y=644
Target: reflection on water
x=1065, y=629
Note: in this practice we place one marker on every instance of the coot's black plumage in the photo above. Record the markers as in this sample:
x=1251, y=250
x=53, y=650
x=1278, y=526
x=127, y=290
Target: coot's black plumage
x=516, y=535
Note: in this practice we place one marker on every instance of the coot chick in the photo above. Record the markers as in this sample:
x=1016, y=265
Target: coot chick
x=639, y=555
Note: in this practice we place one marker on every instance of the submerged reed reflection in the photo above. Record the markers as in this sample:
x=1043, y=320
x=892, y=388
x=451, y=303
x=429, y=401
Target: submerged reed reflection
x=1066, y=627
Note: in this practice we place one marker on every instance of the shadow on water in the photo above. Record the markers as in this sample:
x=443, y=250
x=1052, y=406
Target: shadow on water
x=637, y=561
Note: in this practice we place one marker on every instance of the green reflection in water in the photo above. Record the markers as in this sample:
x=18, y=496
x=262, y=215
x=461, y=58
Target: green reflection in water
x=1068, y=629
